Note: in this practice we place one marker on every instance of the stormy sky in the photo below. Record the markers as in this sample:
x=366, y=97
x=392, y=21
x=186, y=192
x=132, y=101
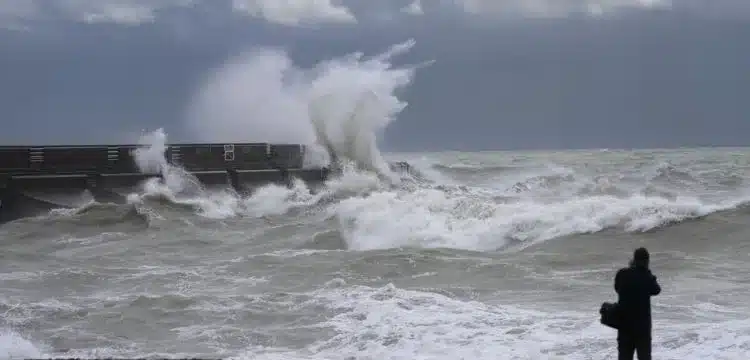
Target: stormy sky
x=507, y=74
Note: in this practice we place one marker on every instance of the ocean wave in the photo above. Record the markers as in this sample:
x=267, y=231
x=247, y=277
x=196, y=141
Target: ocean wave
x=373, y=213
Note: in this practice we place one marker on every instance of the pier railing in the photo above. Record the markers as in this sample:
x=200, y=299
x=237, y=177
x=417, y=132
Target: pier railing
x=119, y=159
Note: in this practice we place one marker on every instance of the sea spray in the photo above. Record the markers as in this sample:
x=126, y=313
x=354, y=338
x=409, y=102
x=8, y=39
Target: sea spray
x=150, y=158
x=337, y=108
x=150, y=155
x=178, y=187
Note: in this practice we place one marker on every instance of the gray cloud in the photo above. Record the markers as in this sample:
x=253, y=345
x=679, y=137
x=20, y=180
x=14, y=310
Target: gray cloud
x=134, y=12
x=641, y=78
x=556, y=8
x=25, y=14
x=414, y=8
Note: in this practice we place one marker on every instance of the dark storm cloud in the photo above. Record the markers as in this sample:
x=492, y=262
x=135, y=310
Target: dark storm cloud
x=507, y=74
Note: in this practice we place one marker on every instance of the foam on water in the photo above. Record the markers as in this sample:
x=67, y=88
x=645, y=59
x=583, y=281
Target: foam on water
x=15, y=346
x=392, y=323
x=551, y=203
x=179, y=187
x=430, y=217
x=373, y=215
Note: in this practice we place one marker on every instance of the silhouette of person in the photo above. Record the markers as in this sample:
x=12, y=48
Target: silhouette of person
x=634, y=286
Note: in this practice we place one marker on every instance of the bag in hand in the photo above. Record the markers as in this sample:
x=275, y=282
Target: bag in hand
x=610, y=315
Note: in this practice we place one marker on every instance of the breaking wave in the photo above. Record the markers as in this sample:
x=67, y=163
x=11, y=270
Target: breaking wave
x=508, y=208
x=339, y=107
x=515, y=205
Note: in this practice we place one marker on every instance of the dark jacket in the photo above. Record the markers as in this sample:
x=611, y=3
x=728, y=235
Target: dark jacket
x=634, y=286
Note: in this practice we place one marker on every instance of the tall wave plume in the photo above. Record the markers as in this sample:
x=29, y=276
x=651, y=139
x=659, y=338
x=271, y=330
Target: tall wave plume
x=337, y=107
x=150, y=159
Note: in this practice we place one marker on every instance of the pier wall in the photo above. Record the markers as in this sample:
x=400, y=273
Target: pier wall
x=33, y=177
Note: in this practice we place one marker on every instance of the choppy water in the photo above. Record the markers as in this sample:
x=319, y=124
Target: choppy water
x=489, y=256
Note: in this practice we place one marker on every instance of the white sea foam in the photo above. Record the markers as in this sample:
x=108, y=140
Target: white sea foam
x=391, y=323
x=15, y=347
x=430, y=217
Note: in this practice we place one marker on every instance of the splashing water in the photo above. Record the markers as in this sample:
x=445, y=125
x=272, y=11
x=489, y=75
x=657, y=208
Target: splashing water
x=150, y=156
x=150, y=159
x=337, y=108
x=374, y=216
x=178, y=186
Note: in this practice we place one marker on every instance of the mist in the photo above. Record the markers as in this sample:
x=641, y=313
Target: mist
x=337, y=107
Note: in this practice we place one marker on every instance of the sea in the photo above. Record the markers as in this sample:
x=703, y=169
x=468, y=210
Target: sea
x=469, y=255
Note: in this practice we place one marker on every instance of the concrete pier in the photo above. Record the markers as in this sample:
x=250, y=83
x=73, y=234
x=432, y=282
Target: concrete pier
x=35, y=179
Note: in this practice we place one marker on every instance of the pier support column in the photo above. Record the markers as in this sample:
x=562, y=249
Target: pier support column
x=234, y=180
x=102, y=193
x=7, y=199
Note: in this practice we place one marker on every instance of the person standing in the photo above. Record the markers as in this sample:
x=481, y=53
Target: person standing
x=635, y=285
